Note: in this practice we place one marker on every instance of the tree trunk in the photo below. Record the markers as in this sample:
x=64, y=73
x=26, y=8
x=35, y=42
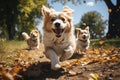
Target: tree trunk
x=114, y=24
x=11, y=18
x=114, y=19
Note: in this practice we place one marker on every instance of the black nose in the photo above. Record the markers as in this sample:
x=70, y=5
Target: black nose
x=84, y=36
x=57, y=25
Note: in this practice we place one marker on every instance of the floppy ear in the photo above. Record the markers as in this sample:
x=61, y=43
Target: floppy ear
x=87, y=28
x=45, y=10
x=68, y=10
x=78, y=30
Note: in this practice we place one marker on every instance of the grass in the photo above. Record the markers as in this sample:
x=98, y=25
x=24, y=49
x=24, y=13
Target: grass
x=8, y=49
x=105, y=43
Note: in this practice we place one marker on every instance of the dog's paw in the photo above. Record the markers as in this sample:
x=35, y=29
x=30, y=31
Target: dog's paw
x=56, y=67
x=68, y=49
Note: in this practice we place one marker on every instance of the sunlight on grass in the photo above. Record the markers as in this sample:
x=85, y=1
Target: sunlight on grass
x=105, y=43
x=7, y=50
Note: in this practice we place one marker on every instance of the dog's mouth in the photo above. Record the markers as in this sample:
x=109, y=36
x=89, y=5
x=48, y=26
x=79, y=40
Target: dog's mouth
x=84, y=37
x=58, y=32
x=34, y=37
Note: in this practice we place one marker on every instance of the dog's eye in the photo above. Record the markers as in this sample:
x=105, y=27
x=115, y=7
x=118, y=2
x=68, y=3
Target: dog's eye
x=53, y=19
x=63, y=19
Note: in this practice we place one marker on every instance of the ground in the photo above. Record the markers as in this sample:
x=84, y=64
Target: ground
x=100, y=62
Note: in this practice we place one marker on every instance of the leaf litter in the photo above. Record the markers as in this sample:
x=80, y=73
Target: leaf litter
x=33, y=64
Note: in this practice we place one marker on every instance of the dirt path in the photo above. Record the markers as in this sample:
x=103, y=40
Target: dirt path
x=95, y=64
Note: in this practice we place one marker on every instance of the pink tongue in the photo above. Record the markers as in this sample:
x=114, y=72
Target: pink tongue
x=58, y=31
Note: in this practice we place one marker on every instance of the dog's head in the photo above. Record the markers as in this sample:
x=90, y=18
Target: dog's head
x=34, y=34
x=83, y=34
x=57, y=22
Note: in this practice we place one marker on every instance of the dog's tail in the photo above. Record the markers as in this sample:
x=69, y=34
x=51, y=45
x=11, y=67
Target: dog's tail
x=25, y=35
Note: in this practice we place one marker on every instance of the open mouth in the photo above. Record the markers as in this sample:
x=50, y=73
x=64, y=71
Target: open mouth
x=58, y=32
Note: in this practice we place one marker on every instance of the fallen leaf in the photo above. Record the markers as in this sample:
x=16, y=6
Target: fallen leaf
x=94, y=76
x=101, y=42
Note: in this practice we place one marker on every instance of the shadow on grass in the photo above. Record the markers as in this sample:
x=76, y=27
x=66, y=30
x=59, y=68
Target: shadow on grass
x=41, y=71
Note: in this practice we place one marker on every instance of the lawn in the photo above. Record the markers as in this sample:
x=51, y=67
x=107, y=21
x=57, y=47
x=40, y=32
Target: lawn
x=100, y=62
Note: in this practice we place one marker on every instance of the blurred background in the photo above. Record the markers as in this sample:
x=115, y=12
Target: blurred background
x=102, y=16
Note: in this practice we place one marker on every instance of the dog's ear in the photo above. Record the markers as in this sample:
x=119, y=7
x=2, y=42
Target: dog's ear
x=68, y=10
x=78, y=31
x=45, y=10
x=87, y=28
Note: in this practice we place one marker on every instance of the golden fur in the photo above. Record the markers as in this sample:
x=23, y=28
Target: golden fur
x=33, y=40
x=58, y=36
x=83, y=39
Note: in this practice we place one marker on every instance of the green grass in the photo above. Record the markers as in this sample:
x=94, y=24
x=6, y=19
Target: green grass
x=108, y=43
x=10, y=46
x=8, y=50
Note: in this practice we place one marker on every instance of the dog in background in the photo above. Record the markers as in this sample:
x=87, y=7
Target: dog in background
x=33, y=40
x=58, y=35
x=83, y=39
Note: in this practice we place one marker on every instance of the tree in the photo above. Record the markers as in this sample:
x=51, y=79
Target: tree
x=114, y=19
x=94, y=20
x=18, y=16
x=114, y=15
x=8, y=14
x=29, y=15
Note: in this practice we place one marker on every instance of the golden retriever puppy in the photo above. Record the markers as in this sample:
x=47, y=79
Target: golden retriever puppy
x=83, y=39
x=58, y=35
x=33, y=40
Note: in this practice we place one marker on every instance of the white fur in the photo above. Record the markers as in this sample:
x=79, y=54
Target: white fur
x=82, y=46
x=82, y=43
x=25, y=35
x=56, y=48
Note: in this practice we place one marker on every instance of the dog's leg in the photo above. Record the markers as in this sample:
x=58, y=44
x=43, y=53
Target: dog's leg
x=50, y=53
x=37, y=46
x=38, y=43
x=68, y=53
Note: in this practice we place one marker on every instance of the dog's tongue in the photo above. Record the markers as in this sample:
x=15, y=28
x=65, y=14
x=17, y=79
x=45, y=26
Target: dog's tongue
x=58, y=32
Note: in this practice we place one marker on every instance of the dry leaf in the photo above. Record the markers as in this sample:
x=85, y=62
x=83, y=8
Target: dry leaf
x=94, y=76
x=114, y=59
x=101, y=42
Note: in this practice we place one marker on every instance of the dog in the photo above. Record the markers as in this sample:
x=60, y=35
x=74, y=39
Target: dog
x=83, y=39
x=33, y=40
x=58, y=35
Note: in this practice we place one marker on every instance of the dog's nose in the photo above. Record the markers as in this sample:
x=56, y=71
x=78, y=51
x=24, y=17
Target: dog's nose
x=84, y=36
x=57, y=25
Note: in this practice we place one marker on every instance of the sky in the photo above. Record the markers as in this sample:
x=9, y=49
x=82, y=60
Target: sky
x=81, y=9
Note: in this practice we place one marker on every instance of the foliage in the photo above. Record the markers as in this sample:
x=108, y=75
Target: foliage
x=18, y=16
x=19, y=62
x=30, y=13
x=114, y=15
x=94, y=20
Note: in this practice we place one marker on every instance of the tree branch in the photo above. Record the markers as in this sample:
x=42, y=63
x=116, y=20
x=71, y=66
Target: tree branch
x=109, y=3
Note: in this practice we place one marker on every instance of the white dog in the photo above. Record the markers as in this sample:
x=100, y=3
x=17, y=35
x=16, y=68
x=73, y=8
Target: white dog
x=83, y=39
x=58, y=37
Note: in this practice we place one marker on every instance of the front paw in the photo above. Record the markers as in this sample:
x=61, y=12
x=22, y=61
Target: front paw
x=69, y=49
x=56, y=67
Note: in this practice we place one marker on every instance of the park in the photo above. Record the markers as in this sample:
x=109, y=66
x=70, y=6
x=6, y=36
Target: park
x=100, y=62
